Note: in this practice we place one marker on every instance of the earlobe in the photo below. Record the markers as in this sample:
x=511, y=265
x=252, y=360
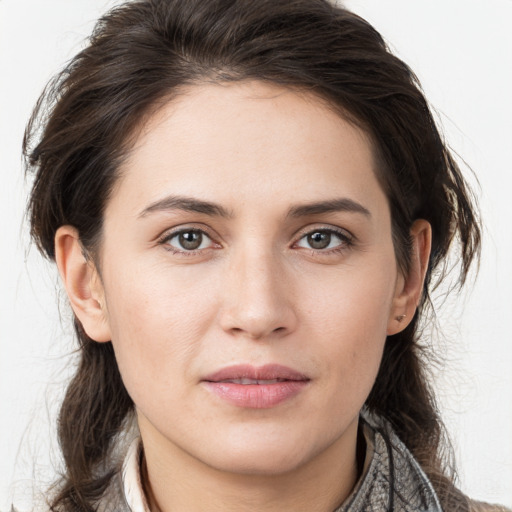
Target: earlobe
x=83, y=284
x=410, y=287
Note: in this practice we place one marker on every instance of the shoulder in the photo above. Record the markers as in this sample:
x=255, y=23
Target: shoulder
x=113, y=499
x=125, y=493
x=480, y=506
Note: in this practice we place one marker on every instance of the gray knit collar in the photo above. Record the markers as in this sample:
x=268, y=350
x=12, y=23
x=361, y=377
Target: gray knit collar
x=392, y=481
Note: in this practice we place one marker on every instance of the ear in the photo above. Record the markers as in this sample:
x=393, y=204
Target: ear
x=409, y=287
x=83, y=284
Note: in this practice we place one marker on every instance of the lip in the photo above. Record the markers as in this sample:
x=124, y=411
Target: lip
x=273, y=384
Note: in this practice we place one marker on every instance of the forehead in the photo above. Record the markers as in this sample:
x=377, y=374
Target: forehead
x=237, y=142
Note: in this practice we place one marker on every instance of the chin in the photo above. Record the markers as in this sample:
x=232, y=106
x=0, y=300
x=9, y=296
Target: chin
x=262, y=455
x=268, y=463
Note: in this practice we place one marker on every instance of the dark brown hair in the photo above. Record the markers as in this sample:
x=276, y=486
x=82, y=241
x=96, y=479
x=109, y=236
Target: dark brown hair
x=139, y=56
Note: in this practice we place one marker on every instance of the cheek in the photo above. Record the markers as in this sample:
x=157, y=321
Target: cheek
x=157, y=324
x=348, y=317
x=354, y=299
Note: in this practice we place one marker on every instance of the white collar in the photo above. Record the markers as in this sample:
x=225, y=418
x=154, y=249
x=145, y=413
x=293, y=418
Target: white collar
x=132, y=485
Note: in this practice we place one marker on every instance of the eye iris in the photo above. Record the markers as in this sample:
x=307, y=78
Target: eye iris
x=319, y=240
x=190, y=240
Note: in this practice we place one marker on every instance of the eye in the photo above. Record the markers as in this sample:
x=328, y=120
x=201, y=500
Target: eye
x=188, y=240
x=321, y=239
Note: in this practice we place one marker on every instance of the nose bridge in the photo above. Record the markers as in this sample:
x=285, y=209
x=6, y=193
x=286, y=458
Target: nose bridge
x=257, y=296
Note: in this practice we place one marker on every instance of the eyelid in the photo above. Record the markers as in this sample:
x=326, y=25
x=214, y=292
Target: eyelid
x=343, y=232
x=346, y=236
x=170, y=233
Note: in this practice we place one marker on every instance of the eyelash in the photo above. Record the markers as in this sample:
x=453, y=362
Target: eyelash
x=346, y=241
x=165, y=239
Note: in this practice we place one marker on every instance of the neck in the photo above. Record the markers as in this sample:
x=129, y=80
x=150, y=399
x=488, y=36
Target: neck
x=174, y=480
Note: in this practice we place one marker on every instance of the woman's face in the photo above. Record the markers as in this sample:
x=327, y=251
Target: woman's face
x=249, y=277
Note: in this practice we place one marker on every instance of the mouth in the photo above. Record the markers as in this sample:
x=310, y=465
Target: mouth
x=256, y=387
x=259, y=382
x=248, y=374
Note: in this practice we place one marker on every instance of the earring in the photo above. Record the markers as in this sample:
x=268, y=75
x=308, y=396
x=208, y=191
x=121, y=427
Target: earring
x=400, y=318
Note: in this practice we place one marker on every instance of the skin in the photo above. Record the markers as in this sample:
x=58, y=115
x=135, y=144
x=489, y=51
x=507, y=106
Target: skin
x=255, y=292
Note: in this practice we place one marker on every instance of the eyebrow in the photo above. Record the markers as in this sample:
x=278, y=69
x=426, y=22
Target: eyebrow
x=329, y=206
x=188, y=204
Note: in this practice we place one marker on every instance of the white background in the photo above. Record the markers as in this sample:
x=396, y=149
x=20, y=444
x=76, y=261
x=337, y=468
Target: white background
x=462, y=52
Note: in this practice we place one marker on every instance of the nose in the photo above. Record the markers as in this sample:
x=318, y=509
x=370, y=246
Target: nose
x=258, y=297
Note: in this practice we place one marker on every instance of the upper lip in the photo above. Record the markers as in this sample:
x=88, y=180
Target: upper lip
x=246, y=371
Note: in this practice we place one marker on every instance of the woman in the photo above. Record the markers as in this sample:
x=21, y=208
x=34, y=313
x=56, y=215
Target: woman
x=248, y=203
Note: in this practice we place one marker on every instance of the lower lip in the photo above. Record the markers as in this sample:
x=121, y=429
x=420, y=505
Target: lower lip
x=257, y=396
